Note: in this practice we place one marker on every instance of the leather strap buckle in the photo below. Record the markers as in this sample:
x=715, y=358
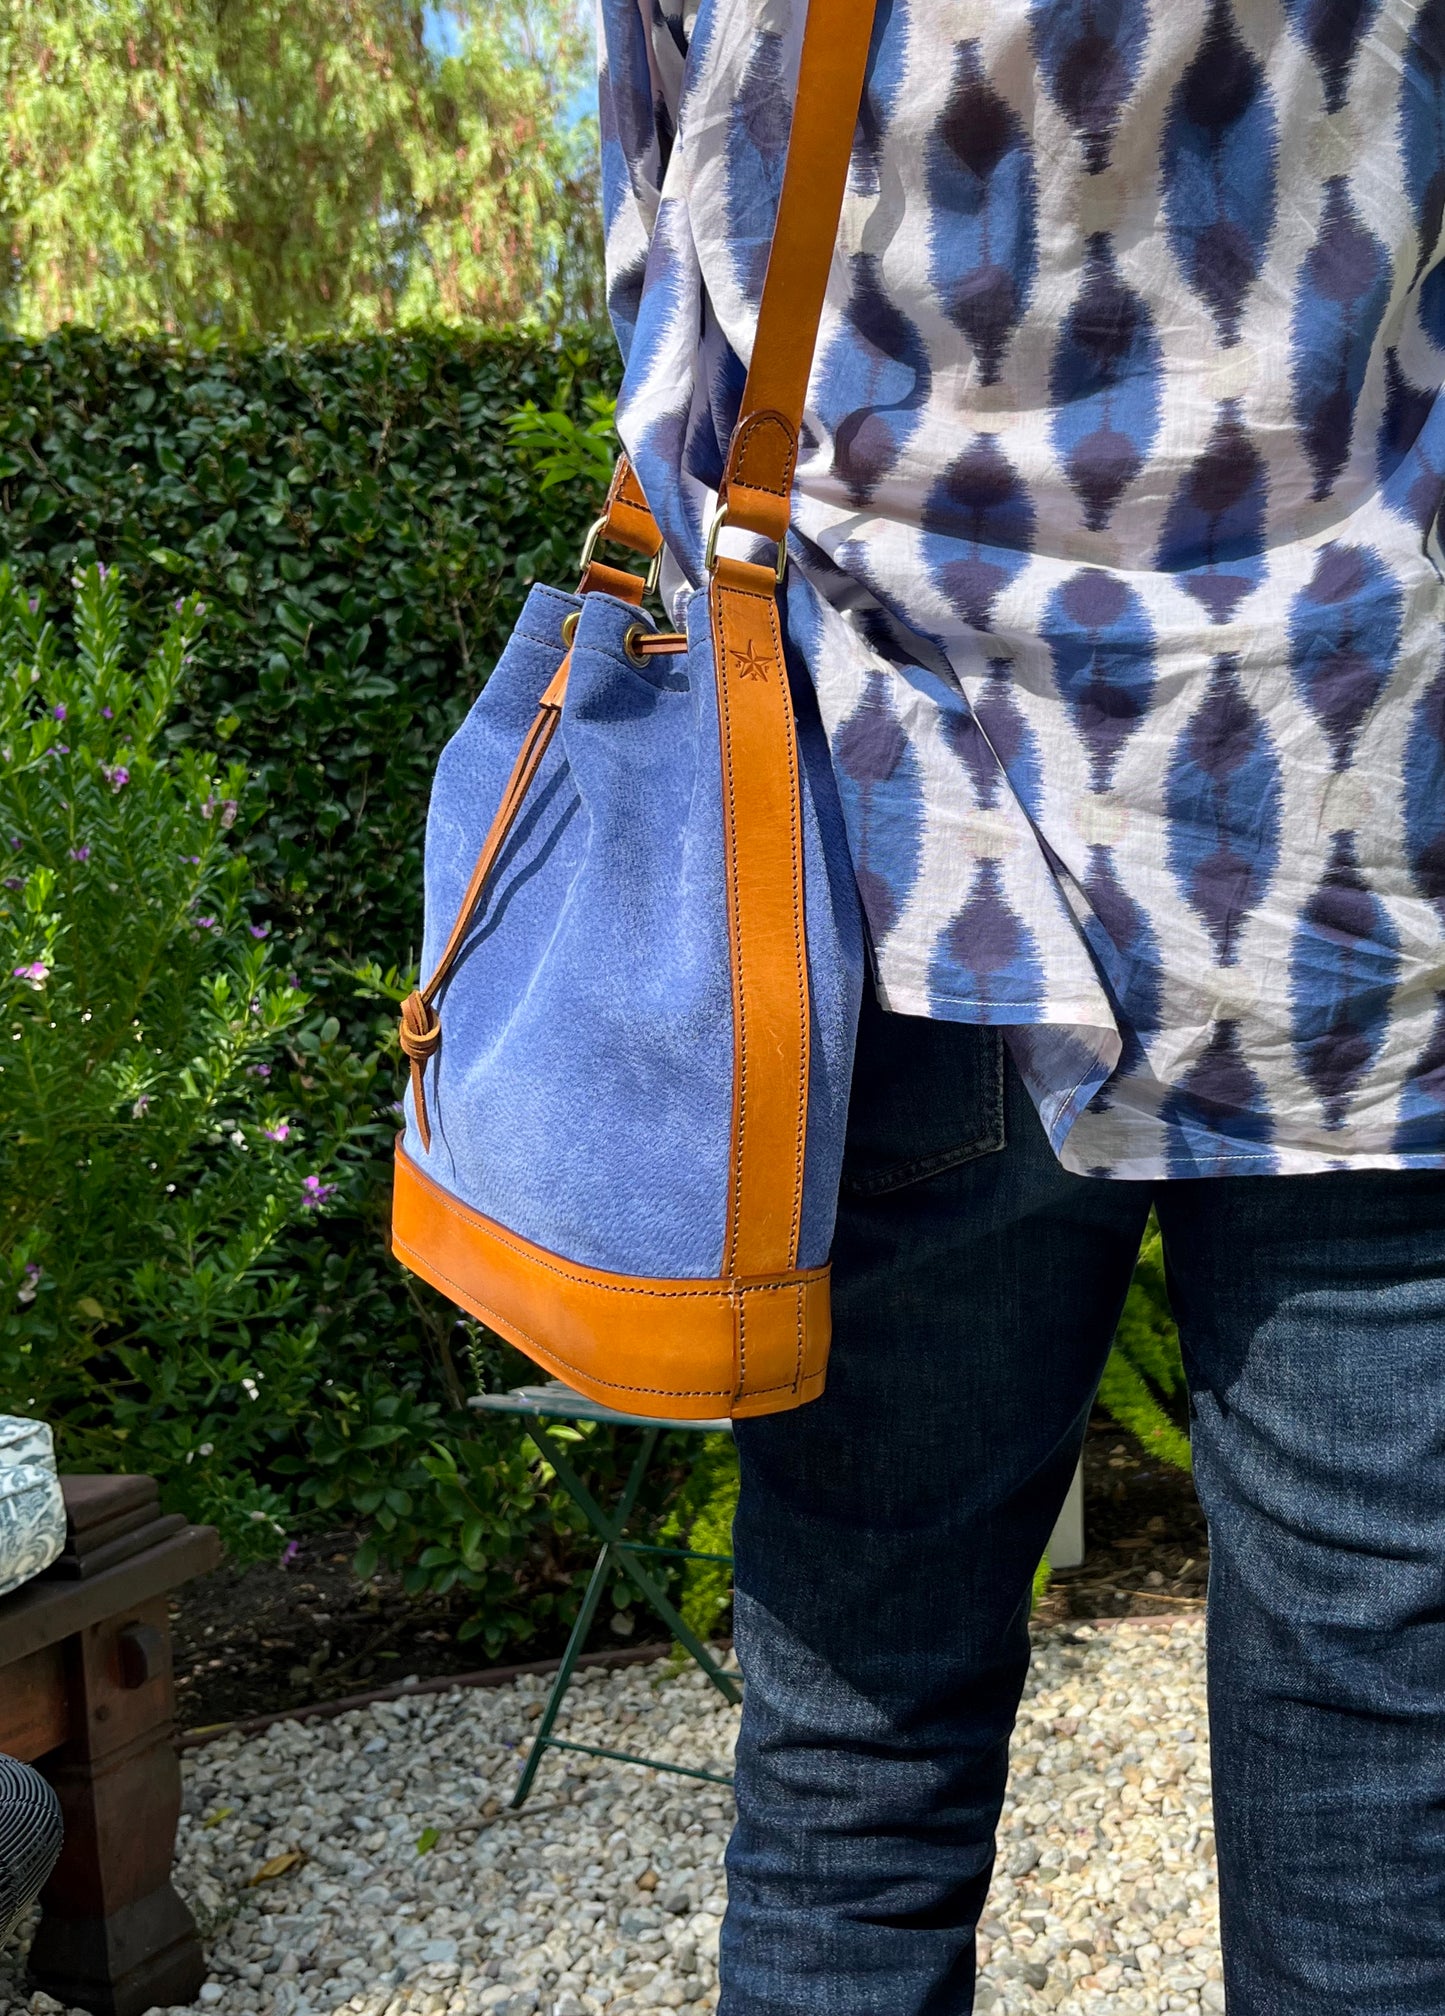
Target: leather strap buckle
x=710, y=556
x=596, y=533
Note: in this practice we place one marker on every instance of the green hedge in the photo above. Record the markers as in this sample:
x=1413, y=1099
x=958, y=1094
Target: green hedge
x=362, y=537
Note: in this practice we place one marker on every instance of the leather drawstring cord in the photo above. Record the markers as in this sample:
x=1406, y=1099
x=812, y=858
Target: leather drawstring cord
x=421, y=1029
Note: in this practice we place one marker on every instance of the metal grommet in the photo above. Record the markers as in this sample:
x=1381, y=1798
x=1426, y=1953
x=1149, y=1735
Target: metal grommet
x=634, y=632
x=569, y=627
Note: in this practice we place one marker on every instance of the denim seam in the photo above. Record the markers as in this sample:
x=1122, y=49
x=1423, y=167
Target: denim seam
x=989, y=1141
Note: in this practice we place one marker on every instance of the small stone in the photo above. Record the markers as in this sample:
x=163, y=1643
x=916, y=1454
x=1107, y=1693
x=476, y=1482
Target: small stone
x=1106, y=1851
x=211, y=1993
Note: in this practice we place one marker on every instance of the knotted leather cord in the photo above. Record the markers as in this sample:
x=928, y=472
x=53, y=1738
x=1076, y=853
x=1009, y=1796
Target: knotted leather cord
x=421, y=1029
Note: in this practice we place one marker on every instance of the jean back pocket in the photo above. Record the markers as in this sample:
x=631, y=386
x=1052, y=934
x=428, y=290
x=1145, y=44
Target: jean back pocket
x=926, y=1097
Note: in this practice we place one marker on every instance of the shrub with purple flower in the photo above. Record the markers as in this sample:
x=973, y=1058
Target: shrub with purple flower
x=145, y=1180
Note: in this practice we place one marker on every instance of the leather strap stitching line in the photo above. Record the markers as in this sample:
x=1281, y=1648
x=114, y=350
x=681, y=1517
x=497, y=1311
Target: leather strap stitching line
x=799, y=951
x=474, y=1301
x=748, y=439
x=783, y=1284
x=551, y=1357
x=741, y=1037
x=800, y=955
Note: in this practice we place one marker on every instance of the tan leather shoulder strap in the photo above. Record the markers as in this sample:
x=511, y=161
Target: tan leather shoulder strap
x=763, y=454
x=762, y=791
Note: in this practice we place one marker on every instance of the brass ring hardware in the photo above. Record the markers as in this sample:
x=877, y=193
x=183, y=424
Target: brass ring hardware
x=709, y=556
x=632, y=640
x=569, y=627
x=593, y=541
x=596, y=533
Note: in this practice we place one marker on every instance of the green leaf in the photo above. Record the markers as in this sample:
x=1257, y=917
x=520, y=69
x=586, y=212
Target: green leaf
x=427, y=1840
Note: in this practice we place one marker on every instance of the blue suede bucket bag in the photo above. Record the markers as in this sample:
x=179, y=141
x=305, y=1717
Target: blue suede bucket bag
x=631, y=1057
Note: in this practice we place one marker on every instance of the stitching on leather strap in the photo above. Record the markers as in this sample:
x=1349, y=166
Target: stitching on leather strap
x=800, y=950
x=554, y=1357
x=585, y=1278
x=740, y=1043
x=760, y=425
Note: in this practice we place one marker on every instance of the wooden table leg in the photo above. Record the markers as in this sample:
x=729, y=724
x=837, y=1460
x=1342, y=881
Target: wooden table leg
x=114, y=1937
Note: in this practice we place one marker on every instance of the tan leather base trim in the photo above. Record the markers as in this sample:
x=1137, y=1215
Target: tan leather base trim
x=688, y=1349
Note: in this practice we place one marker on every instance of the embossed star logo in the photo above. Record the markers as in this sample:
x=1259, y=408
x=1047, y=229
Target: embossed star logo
x=751, y=663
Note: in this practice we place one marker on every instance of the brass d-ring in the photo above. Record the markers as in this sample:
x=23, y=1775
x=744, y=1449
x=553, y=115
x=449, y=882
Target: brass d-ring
x=631, y=642
x=569, y=627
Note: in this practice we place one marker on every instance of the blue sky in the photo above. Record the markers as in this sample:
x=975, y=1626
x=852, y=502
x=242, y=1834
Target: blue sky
x=441, y=31
x=442, y=35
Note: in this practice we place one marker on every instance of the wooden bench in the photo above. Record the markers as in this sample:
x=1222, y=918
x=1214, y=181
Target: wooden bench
x=86, y=1696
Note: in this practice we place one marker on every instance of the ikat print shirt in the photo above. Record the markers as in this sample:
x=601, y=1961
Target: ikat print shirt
x=1115, y=560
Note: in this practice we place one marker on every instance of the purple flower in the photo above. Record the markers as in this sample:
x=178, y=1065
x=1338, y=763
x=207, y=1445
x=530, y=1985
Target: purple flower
x=16, y=844
x=289, y=1552
x=260, y=930
x=116, y=775
x=14, y=882
x=80, y=853
x=34, y=604
x=58, y=749
x=102, y=570
x=282, y=1132
x=26, y=1293
x=36, y=973
x=258, y=1070
x=180, y=606
x=141, y=1107
x=193, y=859
x=59, y=711
x=316, y=1192
x=106, y=715
x=229, y=809
x=205, y=923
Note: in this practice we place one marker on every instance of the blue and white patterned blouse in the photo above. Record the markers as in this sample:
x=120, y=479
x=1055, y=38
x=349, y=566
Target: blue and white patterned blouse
x=1116, y=563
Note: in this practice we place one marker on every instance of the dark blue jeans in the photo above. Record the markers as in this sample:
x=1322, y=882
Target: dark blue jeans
x=887, y=1536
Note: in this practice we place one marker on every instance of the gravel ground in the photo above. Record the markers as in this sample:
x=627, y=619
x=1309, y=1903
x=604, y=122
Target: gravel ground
x=392, y=1882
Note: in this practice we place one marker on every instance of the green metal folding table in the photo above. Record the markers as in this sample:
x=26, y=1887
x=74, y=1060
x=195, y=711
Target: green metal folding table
x=535, y=1406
